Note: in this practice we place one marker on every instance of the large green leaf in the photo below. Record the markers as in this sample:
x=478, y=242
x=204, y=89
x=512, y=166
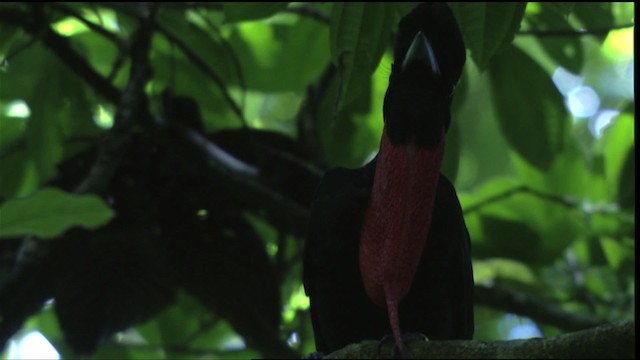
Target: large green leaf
x=617, y=146
x=566, y=51
x=241, y=11
x=38, y=82
x=493, y=268
x=513, y=239
x=627, y=187
x=18, y=175
x=186, y=77
x=58, y=104
x=283, y=56
x=202, y=41
x=12, y=131
x=49, y=212
x=595, y=16
x=487, y=28
x=353, y=134
x=530, y=111
x=561, y=8
x=359, y=34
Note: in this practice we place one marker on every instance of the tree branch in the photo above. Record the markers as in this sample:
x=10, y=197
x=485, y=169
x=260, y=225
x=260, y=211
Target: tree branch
x=538, y=310
x=91, y=25
x=132, y=107
x=202, y=65
x=610, y=341
x=191, y=55
x=118, y=42
x=307, y=117
x=243, y=176
x=36, y=25
x=566, y=201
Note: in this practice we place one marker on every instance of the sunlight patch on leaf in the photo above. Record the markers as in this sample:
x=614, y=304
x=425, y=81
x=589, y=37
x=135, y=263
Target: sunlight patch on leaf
x=17, y=109
x=103, y=118
x=619, y=44
x=32, y=345
x=70, y=26
x=488, y=270
x=298, y=301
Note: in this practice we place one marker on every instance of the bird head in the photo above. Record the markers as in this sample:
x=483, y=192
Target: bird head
x=429, y=55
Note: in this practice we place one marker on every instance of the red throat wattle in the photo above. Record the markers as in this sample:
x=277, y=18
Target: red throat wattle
x=397, y=221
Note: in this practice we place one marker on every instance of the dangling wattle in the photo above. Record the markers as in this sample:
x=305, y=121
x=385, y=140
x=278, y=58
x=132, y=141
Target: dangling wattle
x=396, y=223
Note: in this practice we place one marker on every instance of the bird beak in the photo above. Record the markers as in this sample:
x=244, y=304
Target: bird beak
x=421, y=51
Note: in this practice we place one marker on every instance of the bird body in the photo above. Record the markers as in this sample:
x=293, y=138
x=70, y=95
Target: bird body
x=438, y=304
x=397, y=221
x=388, y=250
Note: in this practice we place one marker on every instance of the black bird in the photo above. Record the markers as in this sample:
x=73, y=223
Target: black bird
x=388, y=247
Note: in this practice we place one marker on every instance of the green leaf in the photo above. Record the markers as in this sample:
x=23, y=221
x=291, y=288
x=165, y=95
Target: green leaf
x=487, y=28
x=58, y=102
x=12, y=131
x=43, y=134
x=193, y=82
x=601, y=282
x=627, y=187
x=494, y=268
x=241, y=11
x=49, y=212
x=566, y=51
x=10, y=39
x=560, y=8
x=595, y=16
x=18, y=174
x=530, y=111
x=281, y=56
x=617, y=145
x=353, y=135
x=615, y=251
x=513, y=239
x=359, y=34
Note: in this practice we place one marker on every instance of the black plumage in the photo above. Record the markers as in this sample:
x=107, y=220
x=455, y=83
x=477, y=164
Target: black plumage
x=439, y=302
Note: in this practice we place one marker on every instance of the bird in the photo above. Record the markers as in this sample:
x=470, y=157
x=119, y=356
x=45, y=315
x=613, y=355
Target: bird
x=388, y=251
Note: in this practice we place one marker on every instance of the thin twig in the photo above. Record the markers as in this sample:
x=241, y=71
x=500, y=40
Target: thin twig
x=35, y=24
x=307, y=117
x=534, y=308
x=566, y=201
x=202, y=65
x=100, y=30
x=131, y=108
x=234, y=59
x=91, y=25
x=573, y=33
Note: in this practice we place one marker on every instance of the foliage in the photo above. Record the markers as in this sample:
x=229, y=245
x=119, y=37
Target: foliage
x=49, y=212
x=142, y=104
